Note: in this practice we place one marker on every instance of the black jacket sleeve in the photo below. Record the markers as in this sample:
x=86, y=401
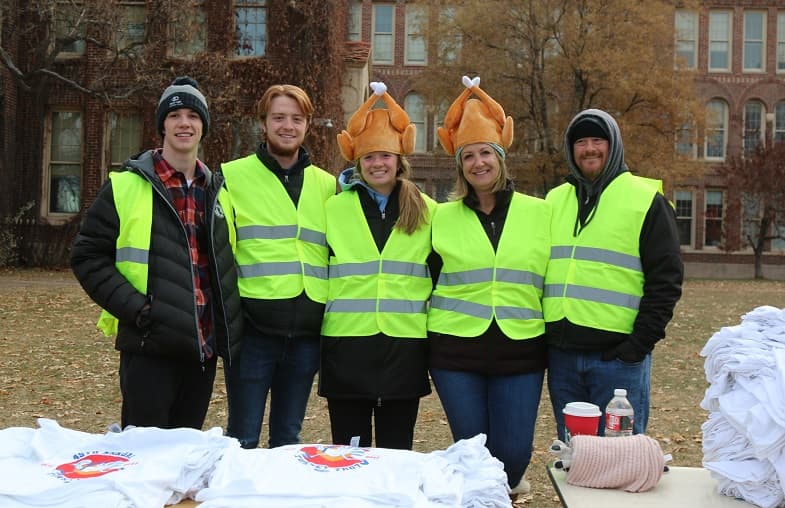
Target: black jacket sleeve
x=93, y=260
x=663, y=273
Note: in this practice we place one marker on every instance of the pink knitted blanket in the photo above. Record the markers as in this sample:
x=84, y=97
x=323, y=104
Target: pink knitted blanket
x=633, y=463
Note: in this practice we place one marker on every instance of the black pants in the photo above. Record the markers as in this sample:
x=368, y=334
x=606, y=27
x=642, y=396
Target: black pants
x=165, y=392
x=394, y=421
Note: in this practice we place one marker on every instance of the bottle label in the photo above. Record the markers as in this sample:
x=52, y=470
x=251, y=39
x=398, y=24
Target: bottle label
x=618, y=423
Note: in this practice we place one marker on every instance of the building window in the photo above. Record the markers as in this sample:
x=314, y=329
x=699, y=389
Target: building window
x=754, y=40
x=713, y=219
x=753, y=126
x=781, y=42
x=719, y=40
x=779, y=122
x=685, y=143
x=69, y=21
x=415, y=107
x=383, y=35
x=251, y=24
x=354, y=21
x=63, y=162
x=438, y=121
x=684, y=213
x=124, y=138
x=414, y=52
x=716, y=131
x=450, y=44
x=188, y=30
x=130, y=35
x=686, y=38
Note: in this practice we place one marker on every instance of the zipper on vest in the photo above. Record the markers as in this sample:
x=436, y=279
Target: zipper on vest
x=384, y=213
x=286, y=178
x=379, y=402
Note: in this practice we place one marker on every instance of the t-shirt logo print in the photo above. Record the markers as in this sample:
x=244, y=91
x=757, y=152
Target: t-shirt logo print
x=333, y=457
x=91, y=466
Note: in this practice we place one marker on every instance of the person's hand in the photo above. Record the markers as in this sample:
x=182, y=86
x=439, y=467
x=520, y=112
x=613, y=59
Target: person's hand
x=143, y=315
x=627, y=351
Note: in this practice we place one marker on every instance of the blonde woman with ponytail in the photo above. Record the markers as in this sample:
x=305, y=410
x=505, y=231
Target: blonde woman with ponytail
x=374, y=348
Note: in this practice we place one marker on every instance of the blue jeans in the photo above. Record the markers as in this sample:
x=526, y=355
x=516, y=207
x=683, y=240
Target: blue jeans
x=575, y=376
x=504, y=408
x=282, y=367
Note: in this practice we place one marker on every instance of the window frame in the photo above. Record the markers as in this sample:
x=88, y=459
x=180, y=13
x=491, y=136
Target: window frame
x=46, y=190
x=707, y=218
x=197, y=40
x=375, y=34
x=354, y=20
x=690, y=218
x=759, y=130
x=779, y=65
x=724, y=129
x=746, y=41
x=418, y=115
x=80, y=43
x=679, y=33
x=109, y=138
x=246, y=5
x=414, y=34
x=729, y=41
x=132, y=44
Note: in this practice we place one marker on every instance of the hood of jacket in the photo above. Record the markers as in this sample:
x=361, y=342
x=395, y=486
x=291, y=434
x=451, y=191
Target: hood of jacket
x=588, y=192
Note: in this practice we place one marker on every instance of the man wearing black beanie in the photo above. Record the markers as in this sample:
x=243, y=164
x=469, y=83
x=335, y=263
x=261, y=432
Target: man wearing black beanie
x=614, y=276
x=154, y=252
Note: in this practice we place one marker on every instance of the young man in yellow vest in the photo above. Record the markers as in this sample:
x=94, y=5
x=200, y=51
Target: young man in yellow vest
x=155, y=252
x=614, y=275
x=278, y=196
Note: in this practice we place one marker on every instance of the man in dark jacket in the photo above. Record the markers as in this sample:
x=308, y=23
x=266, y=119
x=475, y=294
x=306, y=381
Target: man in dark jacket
x=614, y=275
x=155, y=252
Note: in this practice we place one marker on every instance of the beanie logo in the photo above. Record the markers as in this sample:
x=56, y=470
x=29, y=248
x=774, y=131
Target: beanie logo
x=175, y=101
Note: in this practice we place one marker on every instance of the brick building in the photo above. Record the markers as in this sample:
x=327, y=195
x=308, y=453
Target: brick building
x=60, y=140
x=736, y=48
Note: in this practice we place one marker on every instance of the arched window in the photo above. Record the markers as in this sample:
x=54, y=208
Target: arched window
x=716, y=129
x=753, y=125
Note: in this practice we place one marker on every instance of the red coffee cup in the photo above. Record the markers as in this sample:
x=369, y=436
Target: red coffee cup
x=581, y=418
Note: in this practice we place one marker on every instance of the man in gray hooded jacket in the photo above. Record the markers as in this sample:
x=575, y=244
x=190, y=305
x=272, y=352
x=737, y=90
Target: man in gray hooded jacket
x=614, y=276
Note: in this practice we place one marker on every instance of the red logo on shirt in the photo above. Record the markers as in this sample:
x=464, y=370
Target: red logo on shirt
x=91, y=466
x=333, y=457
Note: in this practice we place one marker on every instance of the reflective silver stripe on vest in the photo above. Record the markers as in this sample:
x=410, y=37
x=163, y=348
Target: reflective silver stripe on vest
x=131, y=255
x=519, y=277
x=369, y=305
x=600, y=255
x=593, y=295
x=466, y=277
x=470, y=309
x=483, y=275
x=313, y=236
x=266, y=232
x=372, y=268
x=405, y=268
x=266, y=269
x=317, y=272
x=349, y=269
x=505, y=312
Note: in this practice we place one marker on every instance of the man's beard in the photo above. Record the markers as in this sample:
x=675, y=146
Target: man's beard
x=274, y=148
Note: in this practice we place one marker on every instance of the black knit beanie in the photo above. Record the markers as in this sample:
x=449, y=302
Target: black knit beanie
x=588, y=127
x=183, y=93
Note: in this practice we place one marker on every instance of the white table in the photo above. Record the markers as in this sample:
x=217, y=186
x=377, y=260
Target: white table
x=680, y=487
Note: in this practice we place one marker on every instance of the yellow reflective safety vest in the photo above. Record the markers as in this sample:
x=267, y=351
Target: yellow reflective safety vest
x=477, y=284
x=281, y=250
x=133, y=200
x=595, y=279
x=372, y=292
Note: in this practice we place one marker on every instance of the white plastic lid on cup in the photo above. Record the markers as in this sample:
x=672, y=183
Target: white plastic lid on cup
x=582, y=409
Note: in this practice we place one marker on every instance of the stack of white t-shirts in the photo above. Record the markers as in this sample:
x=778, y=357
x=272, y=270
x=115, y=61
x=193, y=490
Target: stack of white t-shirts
x=744, y=436
x=316, y=475
x=139, y=467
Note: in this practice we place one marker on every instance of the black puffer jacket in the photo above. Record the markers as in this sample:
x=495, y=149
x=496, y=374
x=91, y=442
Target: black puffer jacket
x=172, y=329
